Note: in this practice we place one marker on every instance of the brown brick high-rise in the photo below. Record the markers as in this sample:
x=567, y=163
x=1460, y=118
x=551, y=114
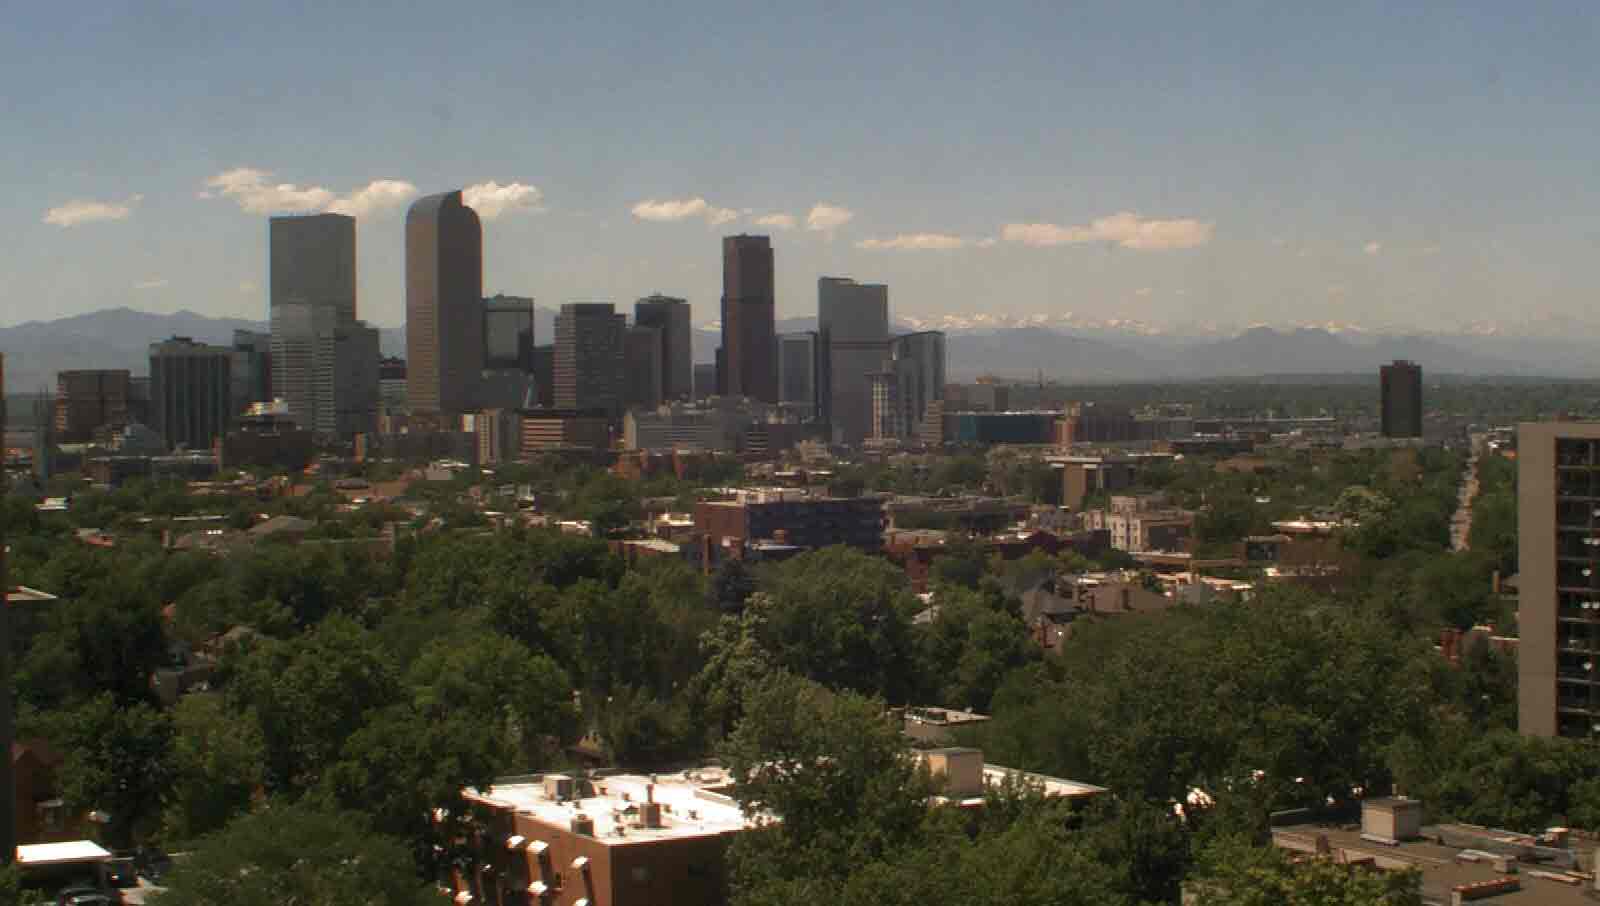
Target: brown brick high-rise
x=444, y=304
x=749, y=332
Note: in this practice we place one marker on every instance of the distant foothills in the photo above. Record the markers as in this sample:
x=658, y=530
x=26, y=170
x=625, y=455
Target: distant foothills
x=1026, y=348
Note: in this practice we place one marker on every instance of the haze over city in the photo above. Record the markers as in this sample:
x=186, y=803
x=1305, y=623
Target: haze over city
x=1412, y=170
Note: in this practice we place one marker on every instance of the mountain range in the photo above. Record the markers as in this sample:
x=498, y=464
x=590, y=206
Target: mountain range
x=1062, y=350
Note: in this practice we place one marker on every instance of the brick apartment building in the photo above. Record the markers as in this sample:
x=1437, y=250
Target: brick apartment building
x=618, y=840
x=790, y=517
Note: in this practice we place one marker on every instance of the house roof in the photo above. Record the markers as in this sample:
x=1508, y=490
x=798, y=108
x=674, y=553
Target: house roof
x=40, y=748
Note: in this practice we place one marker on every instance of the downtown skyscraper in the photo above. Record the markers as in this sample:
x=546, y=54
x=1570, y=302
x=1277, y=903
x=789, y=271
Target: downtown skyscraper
x=853, y=324
x=671, y=317
x=323, y=361
x=749, y=333
x=444, y=304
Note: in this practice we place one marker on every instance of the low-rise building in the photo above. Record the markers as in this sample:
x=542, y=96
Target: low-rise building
x=788, y=517
x=557, y=429
x=614, y=839
x=1457, y=863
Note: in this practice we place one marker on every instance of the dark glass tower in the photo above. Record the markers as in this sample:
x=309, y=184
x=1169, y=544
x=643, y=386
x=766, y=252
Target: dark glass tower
x=749, y=336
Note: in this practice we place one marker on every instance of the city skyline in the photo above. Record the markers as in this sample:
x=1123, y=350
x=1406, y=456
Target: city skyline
x=1342, y=166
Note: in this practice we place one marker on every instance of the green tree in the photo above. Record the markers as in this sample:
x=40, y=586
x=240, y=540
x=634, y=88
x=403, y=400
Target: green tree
x=218, y=766
x=118, y=759
x=833, y=768
x=842, y=618
x=287, y=853
x=1235, y=872
x=310, y=694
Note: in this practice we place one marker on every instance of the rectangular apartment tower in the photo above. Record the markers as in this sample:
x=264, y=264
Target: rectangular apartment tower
x=1558, y=553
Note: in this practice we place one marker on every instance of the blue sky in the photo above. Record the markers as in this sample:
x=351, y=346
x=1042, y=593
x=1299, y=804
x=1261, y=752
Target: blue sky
x=1412, y=166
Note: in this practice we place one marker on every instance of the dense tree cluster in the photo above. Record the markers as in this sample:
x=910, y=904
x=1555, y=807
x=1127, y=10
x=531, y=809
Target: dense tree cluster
x=367, y=690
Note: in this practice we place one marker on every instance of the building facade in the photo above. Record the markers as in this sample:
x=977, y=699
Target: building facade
x=311, y=292
x=749, y=333
x=87, y=400
x=853, y=327
x=252, y=367
x=797, y=372
x=589, y=357
x=444, y=300
x=508, y=333
x=1558, y=615
x=790, y=518
x=1401, y=389
x=670, y=316
x=919, y=363
x=557, y=429
x=190, y=392
x=642, y=372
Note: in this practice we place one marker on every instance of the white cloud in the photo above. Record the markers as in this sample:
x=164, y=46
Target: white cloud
x=1372, y=248
x=1125, y=229
x=74, y=213
x=246, y=286
x=491, y=199
x=378, y=195
x=914, y=242
x=825, y=218
x=777, y=221
x=987, y=242
x=682, y=209
x=157, y=283
x=1143, y=291
x=252, y=191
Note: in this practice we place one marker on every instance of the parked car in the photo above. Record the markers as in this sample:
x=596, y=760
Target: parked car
x=83, y=895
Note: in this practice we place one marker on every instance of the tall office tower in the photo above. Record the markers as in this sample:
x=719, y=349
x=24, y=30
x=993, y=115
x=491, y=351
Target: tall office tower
x=346, y=365
x=508, y=333
x=252, y=367
x=919, y=362
x=797, y=372
x=313, y=259
x=312, y=282
x=330, y=368
x=887, y=403
x=853, y=325
x=705, y=380
x=1558, y=615
x=642, y=350
x=1401, y=385
x=444, y=298
x=749, y=300
x=671, y=316
x=588, y=361
x=190, y=388
x=544, y=375
x=87, y=400
x=392, y=385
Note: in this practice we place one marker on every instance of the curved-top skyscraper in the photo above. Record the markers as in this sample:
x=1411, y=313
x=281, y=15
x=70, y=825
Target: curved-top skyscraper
x=444, y=302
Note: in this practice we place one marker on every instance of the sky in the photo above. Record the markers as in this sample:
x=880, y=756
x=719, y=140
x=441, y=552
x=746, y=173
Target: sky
x=1405, y=166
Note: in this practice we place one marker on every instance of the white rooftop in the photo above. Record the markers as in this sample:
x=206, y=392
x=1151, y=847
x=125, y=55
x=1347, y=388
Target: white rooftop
x=690, y=805
x=61, y=853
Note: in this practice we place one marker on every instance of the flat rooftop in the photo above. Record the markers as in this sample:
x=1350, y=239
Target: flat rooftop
x=692, y=804
x=1052, y=787
x=1443, y=867
x=61, y=853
